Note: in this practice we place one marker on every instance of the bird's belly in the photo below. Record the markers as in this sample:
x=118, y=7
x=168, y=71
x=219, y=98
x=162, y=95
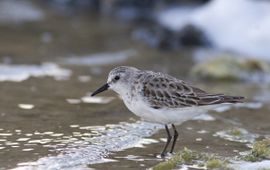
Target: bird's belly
x=165, y=115
x=162, y=116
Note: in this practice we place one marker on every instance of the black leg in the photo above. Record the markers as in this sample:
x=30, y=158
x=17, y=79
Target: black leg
x=169, y=137
x=175, y=136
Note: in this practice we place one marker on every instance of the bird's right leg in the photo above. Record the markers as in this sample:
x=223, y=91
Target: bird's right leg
x=175, y=136
x=169, y=137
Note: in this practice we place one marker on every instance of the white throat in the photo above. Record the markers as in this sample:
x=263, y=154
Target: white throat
x=122, y=90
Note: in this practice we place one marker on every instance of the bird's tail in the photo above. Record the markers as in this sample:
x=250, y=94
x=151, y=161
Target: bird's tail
x=232, y=99
x=209, y=99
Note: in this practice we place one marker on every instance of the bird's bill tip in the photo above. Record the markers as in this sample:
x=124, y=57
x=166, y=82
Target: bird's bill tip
x=101, y=89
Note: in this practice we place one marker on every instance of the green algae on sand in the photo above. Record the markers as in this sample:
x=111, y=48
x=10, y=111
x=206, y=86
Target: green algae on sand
x=260, y=150
x=188, y=156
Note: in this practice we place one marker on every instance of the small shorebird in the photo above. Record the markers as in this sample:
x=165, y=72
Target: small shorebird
x=161, y=98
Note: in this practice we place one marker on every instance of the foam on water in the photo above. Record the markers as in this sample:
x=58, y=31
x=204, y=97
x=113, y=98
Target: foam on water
x=237, y=135
x=97, y=99
x=241, y=26
x=77, y=153
x=18, y=73
x=12, y=11
x=204, y=117
x=265, y=164
x=26, y=106
x=249, y=105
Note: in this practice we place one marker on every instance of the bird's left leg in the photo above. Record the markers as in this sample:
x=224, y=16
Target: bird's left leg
x=169, y=137
x=175, y=136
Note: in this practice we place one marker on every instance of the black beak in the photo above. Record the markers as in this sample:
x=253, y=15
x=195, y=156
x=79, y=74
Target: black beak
x=101, y=89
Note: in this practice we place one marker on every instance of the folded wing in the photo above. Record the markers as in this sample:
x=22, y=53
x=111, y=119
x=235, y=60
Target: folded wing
x=163, y=91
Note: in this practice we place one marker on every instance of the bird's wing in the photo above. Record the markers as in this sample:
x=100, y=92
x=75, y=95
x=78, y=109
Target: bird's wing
x=164, y=91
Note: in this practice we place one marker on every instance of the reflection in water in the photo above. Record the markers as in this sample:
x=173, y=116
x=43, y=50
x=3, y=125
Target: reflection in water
x=86, y=145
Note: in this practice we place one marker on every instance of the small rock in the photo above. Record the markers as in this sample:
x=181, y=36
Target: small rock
x=166, y=39
x=191, y=35
x=232, y=68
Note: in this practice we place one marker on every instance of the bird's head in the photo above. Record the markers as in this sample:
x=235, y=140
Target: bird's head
x=118, y=80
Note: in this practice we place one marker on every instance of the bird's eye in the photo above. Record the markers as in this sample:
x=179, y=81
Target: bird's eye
x=116, y=78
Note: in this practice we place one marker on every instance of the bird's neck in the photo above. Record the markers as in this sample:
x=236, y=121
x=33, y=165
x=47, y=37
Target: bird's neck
x=124, y=92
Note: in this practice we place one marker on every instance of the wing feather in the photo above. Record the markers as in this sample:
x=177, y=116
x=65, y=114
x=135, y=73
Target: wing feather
x=164, y=91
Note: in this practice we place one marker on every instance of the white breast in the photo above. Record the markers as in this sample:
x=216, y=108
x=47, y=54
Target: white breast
x=165, y=116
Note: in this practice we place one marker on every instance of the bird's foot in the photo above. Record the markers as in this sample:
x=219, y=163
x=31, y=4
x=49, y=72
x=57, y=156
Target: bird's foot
x=165, y=155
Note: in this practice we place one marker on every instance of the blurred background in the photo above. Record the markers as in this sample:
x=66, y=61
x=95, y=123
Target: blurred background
x=54, y=53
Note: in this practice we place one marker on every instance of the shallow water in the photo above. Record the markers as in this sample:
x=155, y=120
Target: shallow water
x=48, y=122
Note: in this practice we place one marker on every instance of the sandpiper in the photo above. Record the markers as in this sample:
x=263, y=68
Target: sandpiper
x=161, y=98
